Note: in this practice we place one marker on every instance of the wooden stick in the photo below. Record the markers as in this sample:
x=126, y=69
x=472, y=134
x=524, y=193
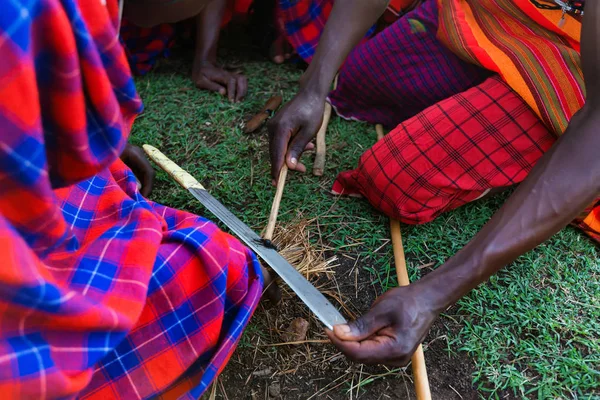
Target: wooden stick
x=319, y=165
x=276, y=203
x=320, y=152
x=379, y=130
x=418, y=359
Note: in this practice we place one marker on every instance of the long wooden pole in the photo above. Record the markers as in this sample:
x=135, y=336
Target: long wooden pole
x=418, y=359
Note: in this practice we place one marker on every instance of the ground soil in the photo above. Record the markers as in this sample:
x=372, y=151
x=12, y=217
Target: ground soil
x=258, y=370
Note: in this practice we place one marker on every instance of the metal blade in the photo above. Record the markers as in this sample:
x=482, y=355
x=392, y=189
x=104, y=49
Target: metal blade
x=309, y=294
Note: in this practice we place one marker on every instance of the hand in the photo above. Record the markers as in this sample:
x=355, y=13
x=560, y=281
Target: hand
x=292, y=129
x=136, y=160
x=390, y=332
x=208, y=76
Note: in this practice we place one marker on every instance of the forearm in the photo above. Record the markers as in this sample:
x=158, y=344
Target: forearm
x=563, y=183
x=347, y=24
x=208, y=27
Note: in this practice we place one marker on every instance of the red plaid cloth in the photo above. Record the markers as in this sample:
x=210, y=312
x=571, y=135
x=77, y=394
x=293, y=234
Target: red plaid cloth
x=102, y=293
x=450, y=154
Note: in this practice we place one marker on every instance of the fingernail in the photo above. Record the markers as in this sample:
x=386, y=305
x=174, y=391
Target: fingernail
x=294, y=161
x=344, y=329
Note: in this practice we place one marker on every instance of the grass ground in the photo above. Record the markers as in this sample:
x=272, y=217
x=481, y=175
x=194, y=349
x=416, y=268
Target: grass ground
x=532, y=331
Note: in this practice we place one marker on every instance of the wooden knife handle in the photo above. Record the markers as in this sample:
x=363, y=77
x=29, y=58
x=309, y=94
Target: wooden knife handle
x=255, y=122
x=166, y=164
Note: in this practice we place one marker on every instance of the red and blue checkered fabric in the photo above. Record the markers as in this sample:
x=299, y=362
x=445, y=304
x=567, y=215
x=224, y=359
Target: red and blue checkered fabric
x=145, y=46
x=102, y=293
x=303, y=22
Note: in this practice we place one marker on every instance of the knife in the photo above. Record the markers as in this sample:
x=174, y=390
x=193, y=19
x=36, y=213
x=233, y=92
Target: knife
x=309, y=294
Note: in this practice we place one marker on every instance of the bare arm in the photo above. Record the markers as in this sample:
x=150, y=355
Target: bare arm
x=563, y=183
x=348, y=22
x=297, y=123
x=205, y=71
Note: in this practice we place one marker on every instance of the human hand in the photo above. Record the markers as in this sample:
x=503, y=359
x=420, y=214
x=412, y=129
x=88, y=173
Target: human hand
x=136, y=160
x=390, y=332
x=208, y=76
x=292, y=129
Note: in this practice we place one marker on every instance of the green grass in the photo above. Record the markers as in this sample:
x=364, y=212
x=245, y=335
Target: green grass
x=533, y=330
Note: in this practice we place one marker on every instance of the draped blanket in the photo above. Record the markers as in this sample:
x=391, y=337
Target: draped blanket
x=103, y=294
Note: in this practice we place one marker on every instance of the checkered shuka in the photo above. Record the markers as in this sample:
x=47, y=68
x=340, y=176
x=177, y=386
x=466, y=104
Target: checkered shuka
x=103, y=294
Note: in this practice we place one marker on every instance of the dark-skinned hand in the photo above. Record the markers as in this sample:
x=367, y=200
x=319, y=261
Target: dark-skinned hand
x=135, y=158
x=292, y=129
x=207, y=75
x=390, y=332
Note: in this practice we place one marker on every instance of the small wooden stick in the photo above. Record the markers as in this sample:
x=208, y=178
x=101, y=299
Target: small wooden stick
x=320, y=152
x=319, y=165
x=379, y=130
x=418, y=359
x=276, y=203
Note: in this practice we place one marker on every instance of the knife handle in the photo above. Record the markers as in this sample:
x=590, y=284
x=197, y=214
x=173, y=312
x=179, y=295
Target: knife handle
x=166, y=164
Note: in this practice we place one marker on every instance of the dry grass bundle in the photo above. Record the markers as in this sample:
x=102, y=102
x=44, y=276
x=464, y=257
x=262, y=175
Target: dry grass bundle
x=304, y=249
x=294, y=243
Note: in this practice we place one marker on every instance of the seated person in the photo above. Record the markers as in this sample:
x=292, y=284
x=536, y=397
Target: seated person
x=148, y=31
x=104, y=294
x=481, y=95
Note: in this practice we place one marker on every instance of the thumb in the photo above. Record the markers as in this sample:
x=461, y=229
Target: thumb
x=297, y=146
x=362, y=328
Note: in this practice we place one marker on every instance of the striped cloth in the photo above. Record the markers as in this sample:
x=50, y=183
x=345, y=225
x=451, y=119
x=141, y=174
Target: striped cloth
x=536, y=57
x=103, y=293
x=524, y=45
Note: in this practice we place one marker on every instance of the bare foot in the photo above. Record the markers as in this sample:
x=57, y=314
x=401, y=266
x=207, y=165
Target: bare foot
x=281, y=50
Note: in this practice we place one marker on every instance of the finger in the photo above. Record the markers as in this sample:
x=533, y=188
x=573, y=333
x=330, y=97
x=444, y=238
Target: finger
x=296, y=148
x=147, y=182
x=231, y=84
x=363, y=327
x=143, y=171
x=296, y=166
x=279, y=136
x=309, y=146
x=375, y=350
x=205, y=83
x=242, y=88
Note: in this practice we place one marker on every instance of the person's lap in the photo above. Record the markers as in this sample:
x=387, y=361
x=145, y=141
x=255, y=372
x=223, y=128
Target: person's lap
x=202, y=286
x=450, y=154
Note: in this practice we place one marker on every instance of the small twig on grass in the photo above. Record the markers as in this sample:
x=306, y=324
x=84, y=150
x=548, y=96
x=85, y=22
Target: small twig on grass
x=213, y=390
x=320, y=392
x=373, y=378
x=359, y=379
x=223, y=389
x=455, y=391
x=295, y=343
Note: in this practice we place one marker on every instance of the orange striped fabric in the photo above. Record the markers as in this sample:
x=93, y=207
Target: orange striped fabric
x=524, y=44
x=537, y=58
